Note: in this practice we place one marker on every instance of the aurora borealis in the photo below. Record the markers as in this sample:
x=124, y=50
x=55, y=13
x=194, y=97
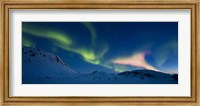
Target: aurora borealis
x=107, y=46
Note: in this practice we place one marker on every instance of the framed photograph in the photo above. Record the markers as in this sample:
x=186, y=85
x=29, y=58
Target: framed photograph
x=100, y=53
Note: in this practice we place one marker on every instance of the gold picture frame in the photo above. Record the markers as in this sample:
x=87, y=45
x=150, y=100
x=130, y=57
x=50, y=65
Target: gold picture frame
x=7, y=5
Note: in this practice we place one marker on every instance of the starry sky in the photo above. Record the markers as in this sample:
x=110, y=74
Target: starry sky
x=107, y=46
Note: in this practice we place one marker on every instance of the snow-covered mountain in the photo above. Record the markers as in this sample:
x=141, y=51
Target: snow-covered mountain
x=41, y=67
x=150, y=76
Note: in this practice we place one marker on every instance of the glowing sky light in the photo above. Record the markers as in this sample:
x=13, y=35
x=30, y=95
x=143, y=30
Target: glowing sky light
x=137, y=59
x=107, y=45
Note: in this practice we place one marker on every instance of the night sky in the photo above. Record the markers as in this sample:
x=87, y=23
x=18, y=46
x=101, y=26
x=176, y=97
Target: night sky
x=107, y=46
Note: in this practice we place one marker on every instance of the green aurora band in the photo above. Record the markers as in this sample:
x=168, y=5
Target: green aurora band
x=63, y=40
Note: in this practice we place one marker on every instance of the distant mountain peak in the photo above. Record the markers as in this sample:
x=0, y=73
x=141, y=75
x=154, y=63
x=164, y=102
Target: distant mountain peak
x=146, y=73
x=98, y=72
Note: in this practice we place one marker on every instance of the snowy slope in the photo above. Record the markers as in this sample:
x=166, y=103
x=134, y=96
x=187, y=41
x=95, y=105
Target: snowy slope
x=150, y=76
x=40, y=67
x=128, y=77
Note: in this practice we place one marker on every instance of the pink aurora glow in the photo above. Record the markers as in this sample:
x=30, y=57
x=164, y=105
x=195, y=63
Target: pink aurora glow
x=137, y=59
